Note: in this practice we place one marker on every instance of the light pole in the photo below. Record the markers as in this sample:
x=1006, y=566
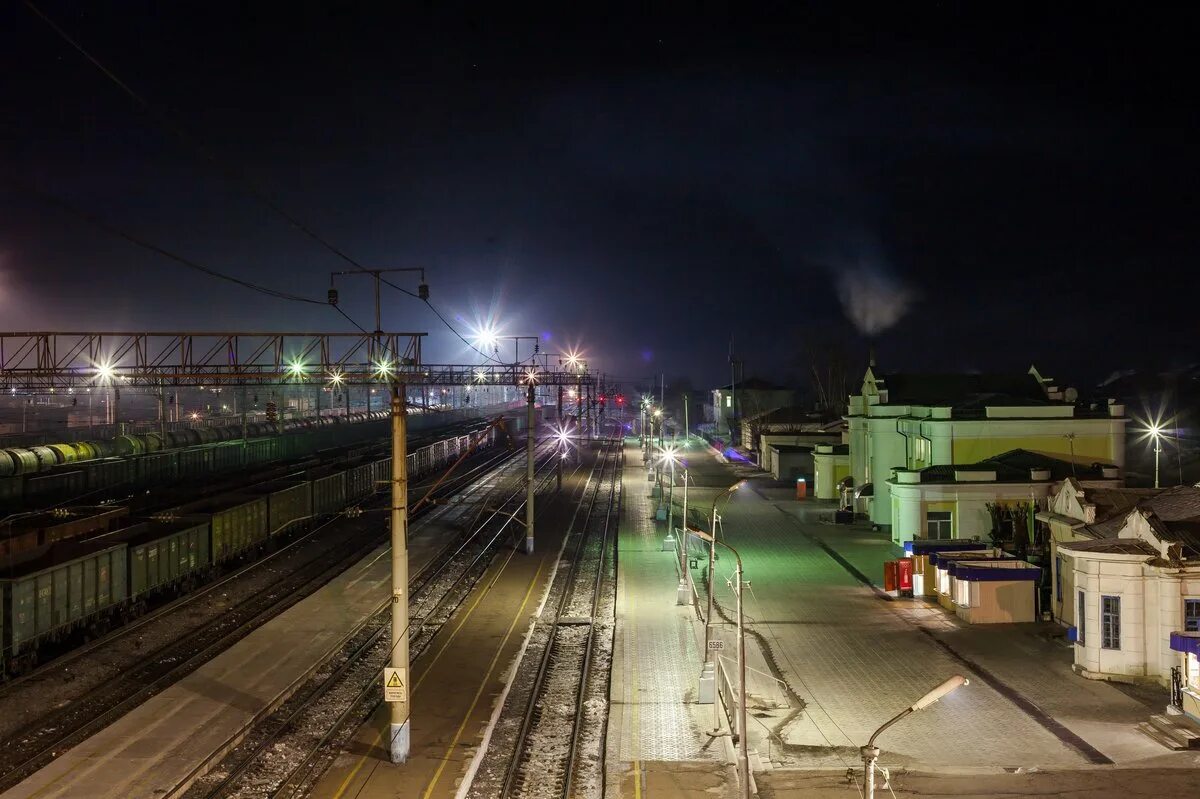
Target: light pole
x=712, y=562
x=870, y=752
x=1156, y=434
x=742, y=736
x=683, y=596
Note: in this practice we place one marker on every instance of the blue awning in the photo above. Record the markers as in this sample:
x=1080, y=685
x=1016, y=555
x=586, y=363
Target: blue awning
x=1188, y=643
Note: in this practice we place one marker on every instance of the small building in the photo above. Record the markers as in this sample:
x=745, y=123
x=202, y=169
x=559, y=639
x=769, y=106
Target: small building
x=941, y=567
x=791, y=462
x=925, y=575
x=800, y=425
x=1078, y=510
x=1137, y=593
x=1002, y=591
x=831, y=465
x=959, y=501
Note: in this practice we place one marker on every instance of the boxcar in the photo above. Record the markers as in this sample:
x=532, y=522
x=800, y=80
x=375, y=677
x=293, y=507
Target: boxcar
x=289, y=503
x=60, y=589
x=329, y=493
x=163, y=554
x=239, y=523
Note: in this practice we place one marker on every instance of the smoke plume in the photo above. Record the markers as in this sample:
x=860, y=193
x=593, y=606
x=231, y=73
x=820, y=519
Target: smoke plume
x=873, y=299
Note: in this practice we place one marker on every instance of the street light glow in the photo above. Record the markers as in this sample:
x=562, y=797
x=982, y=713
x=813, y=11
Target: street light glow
x=297, y=368
x=104, y=371
x=383, y=368
x=336, y=378
x=487, y=337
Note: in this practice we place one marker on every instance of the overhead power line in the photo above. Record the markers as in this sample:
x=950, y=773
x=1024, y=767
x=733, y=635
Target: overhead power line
x=108, y=227
x=231, y=174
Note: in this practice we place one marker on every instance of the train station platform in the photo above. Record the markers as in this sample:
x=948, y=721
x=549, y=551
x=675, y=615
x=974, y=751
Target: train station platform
x=658, y=741
x=156, y=748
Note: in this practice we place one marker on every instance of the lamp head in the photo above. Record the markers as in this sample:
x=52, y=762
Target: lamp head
x=955, y=682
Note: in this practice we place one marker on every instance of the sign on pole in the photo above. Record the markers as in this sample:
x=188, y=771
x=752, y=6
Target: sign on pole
x=395, y=684
x=716, y=645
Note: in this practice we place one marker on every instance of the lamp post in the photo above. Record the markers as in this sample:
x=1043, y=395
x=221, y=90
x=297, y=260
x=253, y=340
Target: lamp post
x=870, y=752
x=1156, y=434
x=683, y=596
x=712, y=562
x=742, y=736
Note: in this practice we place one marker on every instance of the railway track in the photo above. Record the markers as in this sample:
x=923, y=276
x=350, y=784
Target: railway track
x=559, y=746
x=287, y=752
x=259, y=592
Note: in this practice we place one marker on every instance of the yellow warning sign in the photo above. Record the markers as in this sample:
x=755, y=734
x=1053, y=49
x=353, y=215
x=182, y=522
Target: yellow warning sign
x=395, y=685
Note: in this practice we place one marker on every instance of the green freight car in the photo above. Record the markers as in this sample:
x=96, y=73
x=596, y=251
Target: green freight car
x=164, y=555
x=239, y=523
x=57, y=592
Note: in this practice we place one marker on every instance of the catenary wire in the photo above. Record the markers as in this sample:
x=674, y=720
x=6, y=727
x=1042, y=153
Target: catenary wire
x=256, y=191
x=113, y=230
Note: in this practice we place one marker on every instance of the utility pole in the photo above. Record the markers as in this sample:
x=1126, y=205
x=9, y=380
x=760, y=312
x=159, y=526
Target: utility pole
x=400, y=732
x=529, y=448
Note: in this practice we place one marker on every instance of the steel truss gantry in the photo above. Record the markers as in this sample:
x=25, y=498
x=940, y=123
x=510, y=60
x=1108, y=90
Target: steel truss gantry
x=33, y=362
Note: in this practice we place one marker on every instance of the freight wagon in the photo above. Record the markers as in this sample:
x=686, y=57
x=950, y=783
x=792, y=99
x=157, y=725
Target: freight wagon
x=60, y=590
x=70, y=587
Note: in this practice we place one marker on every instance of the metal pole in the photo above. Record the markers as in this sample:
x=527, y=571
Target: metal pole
x=712, y=566
x=743, y=750
x=686, y=427
x=162, y=415
x=869, y=755
x=245, y=443
x=1157, y=450
x=529, y=447
x=400, y=731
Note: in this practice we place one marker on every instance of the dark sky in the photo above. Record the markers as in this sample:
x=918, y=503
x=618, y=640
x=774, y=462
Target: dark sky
x=991, y=191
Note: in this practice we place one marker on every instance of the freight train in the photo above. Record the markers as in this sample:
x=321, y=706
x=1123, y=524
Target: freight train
x=58, y=473
x=72, y=586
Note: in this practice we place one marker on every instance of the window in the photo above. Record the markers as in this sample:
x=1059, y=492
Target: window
x=1110, y=622
x=943, y=581
x=938, y=524
x=1193, y=671
x=1058, y=567
x=728, y=401
x=1191, y=615
x=1080, y=619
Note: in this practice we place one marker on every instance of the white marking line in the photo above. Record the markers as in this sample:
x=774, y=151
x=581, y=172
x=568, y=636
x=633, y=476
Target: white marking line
x=469, y=777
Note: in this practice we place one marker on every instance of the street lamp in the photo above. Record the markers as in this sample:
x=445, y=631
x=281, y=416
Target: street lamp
x=683, y=596
x=712, y=562
x=743, y=737
x=870, y=752
x=1156, y=433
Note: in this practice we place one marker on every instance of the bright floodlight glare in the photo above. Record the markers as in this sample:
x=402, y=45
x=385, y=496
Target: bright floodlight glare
x=296, y=368
x=669, y=455
x=487, y=337
x=481, y=376
x=531, y=376
x=104, y=370
x=383, y=368
x=658, y=411
x=957, y=681
x=336, y=378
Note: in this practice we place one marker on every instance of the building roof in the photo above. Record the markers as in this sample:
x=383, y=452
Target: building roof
x=790, y=448
x=1014, y=467
x=1115, y=546
x=754, y=384
x=962, y=390
x=798, y=415
x=1173, y=514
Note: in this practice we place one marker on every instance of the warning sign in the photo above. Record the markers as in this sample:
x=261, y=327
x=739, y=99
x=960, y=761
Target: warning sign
x=395, y=685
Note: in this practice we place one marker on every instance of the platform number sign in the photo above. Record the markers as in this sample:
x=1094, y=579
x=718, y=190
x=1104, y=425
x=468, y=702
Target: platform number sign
x=716, y=645
x=395, y=685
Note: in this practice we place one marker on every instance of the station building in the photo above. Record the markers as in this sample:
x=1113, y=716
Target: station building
x=1137, y=596
x=914, y=421
x=952, y=501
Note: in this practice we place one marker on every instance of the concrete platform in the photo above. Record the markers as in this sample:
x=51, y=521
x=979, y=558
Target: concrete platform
x=657, y=734
x=154, y=747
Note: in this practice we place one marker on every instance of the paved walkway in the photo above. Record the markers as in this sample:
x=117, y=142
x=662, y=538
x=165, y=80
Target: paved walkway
x=853, y=660
x=657, y=741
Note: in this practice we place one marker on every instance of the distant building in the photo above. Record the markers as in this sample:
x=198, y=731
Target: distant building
x=958, y=501
x=1137, y=595
x=914, y=421
x=748, y=398
x=801, y=424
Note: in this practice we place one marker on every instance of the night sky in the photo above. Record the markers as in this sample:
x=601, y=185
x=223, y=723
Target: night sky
x=981, y=193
